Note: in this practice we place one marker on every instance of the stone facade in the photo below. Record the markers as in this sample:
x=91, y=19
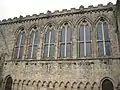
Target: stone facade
x=61, y=73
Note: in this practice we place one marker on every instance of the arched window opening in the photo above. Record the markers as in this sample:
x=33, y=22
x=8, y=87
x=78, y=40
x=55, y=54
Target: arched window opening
x=65, y=40
x=104, y=45
x=107, y=85
x=49, y=42
x=33, y=43
x=84, y=40
x=8, y=84
x=20, y=44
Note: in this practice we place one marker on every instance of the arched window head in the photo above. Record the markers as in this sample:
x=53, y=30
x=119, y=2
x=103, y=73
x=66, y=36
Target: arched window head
x=104, y=45
x=84, y=40
x=8, y=83
x=107, y=85
x=33, y=43
x=49, y=42
x=65, y=42
x=20, y=44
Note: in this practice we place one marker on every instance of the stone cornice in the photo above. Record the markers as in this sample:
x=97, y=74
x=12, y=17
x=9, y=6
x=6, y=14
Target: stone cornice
x=49, y=14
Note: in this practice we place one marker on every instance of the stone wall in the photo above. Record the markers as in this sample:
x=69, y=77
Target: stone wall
x=61, y=73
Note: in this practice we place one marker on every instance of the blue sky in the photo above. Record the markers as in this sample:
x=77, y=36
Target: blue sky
x=15, y=8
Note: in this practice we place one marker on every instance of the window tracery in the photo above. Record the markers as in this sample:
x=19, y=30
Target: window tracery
x=20, y=44
x=65, y=40
x=33, y=43
x=84, y=40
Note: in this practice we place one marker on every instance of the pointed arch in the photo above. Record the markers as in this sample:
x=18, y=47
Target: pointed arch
x=49, y=41
x=84, y=18
x=63, y=22
x=65, y=40
x=74, y=85
x=88, y=86
x=8, y=83
x=33, y=42
x=103, y=40
x=95, y=86
x=55, y=84
x=48, y=24
x=18, y=51
x=84, y=40
x=110, y=79
x=107, y=85
x=62, y=84
x=68, y=84
x=102, y=16
x=81, y=86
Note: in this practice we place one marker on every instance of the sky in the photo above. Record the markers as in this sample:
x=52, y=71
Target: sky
x=15, y=8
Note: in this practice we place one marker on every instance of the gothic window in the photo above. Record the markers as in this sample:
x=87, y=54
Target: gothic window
x=107, y=85
x=84, y=40
x=19, y=47
x=33, y=43
x=8, y=84
x=65, y=40
x=49, y=42
x=104, y=45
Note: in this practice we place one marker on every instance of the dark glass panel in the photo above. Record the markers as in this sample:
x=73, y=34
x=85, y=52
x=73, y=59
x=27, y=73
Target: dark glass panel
x=88, y=49
x=52, y=50
x=52, y=36
x=99, y=33
x=100, y=49
x=69, y=34
x=16, y=52
x=36, y=37
x=107, y=85
x=78, y=49
x=62, y=35
x=108, y=48
x=18, y=39
x=82, y=49
x=35, y=51
x=47, y=36
x=81, y=33
x=88, y=34
x=31, y=37
x=8, y=85
x=29, y=51
x=45, y=50
x=21, y=52
x=105, y=26
x=68, y=50
x=62, y=50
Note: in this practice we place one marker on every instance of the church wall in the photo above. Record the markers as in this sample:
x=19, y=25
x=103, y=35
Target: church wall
x=68, y=73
